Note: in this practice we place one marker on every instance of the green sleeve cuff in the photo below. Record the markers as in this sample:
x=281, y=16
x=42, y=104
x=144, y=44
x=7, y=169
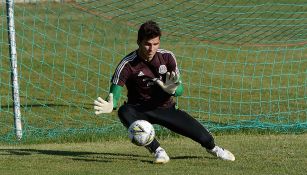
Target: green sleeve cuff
x=179, y=90
x=116, y=90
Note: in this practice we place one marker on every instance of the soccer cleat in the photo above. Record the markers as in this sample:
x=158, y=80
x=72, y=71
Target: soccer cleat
x=161, y=156
x=222, y=153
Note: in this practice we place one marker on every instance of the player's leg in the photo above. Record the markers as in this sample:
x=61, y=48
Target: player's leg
x=130, y=113
x=182, y=123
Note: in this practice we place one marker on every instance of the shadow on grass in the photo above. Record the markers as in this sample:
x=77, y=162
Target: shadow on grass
x=190, y=157
x=77, y=155
x=90, y=156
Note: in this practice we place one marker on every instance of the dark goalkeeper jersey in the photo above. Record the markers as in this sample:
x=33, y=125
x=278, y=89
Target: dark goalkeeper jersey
x=138, y=75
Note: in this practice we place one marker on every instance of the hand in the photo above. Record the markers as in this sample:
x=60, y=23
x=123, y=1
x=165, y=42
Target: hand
x=171, y=83
x=102, y=106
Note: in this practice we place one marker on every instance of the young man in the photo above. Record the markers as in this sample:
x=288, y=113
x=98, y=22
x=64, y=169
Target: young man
x=152, y=79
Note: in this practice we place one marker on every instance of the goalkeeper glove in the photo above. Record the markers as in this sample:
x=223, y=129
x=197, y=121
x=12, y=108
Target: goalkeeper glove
x=171, y=83
x=102, y=106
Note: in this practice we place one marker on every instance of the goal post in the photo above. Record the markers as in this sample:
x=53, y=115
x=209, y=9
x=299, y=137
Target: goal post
x=14, y=72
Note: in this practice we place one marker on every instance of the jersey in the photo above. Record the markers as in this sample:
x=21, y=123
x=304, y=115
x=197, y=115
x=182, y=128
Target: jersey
x=139, y=78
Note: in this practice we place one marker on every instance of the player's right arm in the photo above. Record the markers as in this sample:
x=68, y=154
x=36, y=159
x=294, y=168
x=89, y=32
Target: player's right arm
x=102, y=106
x=119, y=78
x=107, y=106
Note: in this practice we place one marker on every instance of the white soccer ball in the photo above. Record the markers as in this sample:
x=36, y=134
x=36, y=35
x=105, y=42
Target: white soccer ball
x=141, y=132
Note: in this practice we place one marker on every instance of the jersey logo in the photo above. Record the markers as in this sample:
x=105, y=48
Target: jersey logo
x=162, y=69
x=140, y=74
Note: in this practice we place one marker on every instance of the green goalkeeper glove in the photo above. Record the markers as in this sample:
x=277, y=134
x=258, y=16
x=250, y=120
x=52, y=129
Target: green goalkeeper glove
x=102, y=106
x=171, y=83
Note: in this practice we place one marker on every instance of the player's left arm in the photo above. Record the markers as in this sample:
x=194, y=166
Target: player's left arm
x=173, y=83
x=179, y=90
x=173, y=67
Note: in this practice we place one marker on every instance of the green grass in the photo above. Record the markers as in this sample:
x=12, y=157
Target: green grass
x=255, y=154
x=245, y=94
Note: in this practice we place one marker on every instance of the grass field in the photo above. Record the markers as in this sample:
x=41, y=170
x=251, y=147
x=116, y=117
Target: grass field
x=255, y=155
x=235, y=81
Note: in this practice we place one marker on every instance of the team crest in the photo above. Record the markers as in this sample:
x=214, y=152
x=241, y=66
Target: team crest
x=162, y=69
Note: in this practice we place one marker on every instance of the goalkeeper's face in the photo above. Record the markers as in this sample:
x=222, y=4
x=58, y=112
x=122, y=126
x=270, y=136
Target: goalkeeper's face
x=148, y=48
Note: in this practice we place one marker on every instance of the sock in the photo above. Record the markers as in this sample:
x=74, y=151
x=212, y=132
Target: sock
x=153, y=146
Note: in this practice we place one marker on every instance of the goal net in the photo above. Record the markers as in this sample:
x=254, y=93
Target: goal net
x=243, y=64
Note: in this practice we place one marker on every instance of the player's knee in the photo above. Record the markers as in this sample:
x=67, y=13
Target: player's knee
x=122, y=115
x=125, y=114
x=122, y=111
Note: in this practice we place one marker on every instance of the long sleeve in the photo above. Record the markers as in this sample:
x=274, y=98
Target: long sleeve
x=116, y=90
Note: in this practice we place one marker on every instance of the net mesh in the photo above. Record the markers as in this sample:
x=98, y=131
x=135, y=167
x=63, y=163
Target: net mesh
x=243, y=64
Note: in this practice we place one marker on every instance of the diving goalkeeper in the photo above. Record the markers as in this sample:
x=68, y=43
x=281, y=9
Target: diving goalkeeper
x=152, y=79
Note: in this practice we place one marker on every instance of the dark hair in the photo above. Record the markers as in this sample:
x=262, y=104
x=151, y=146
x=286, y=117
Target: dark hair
x=148, y=30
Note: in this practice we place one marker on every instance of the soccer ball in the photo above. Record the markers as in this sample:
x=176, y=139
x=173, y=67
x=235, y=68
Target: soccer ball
x=141, y=133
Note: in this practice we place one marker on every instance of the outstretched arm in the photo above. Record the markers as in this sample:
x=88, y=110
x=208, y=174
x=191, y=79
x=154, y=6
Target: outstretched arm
x=107, y=106
x=102, y=106
x=116, y=90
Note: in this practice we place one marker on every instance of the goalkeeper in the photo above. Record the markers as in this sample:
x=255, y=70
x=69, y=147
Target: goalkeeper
x=152, y=79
